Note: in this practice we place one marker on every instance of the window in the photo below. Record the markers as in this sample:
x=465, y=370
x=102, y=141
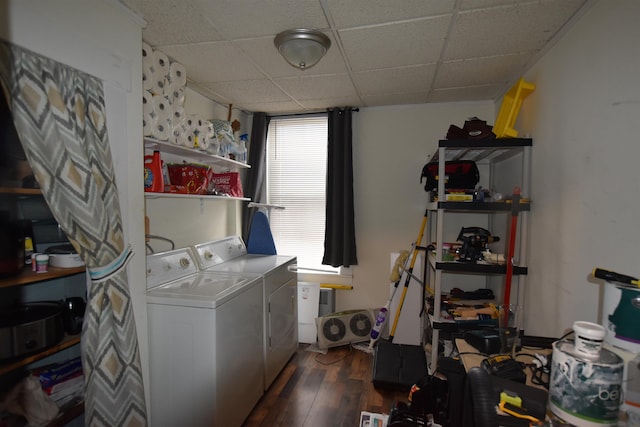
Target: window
x=296, y=179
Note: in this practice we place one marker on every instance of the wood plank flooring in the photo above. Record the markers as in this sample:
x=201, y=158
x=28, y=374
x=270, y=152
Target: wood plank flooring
x=318, y=390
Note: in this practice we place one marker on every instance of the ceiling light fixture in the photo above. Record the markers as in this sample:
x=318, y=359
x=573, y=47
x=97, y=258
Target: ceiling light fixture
x=302, y=48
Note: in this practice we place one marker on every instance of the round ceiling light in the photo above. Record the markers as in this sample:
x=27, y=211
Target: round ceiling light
x=302, y=48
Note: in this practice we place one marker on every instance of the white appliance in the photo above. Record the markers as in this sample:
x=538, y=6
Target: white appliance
x=205, y=342
x=308, y=309
x=229, y=255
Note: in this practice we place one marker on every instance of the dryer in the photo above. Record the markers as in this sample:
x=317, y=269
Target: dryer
x=280, y=299
x=205, y=342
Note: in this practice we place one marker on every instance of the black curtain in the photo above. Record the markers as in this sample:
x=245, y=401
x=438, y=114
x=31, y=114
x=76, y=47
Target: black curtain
x=255, y=178
x=340, y=236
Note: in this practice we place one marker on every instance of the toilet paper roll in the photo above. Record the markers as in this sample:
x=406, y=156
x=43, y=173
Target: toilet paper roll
x=203, y=143
x=147, y=57
x=177, y=74
x=161, y=128
x=147, y=102
x=158, y=84
x=147, y=125
x=191, y=122
x=147, y=78
x=177, y=115
x=174, y=93
x=160, y=105
x=161, y=63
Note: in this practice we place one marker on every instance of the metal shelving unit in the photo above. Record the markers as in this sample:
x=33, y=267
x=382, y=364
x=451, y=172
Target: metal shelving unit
x=492, y=154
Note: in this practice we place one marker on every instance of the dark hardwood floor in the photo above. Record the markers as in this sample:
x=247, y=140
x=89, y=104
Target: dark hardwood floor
x=318, y=390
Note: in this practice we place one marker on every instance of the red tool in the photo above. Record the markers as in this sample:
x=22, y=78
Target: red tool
x=515, y=208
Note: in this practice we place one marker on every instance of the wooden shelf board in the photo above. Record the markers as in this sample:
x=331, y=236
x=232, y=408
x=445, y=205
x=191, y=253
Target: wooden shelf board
x=27, y=276
x=67, y=341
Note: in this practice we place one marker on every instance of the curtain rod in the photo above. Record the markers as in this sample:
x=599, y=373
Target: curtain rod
x=316, y=113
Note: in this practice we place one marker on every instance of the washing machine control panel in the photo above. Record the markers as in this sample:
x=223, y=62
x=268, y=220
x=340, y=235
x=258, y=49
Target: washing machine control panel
x=171, y=265
x=216, y=252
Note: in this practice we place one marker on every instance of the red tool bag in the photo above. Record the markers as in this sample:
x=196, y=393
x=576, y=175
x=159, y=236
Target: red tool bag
x=459, y=174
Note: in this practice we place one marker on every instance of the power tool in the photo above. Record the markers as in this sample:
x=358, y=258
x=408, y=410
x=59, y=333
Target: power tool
x=474, y=242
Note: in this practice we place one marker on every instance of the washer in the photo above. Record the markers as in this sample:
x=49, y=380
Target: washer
x=229, y=255
x=205, y=342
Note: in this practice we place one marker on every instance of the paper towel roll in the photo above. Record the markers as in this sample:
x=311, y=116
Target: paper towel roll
x=174, y=93
x=177, y=74
x=161, y=63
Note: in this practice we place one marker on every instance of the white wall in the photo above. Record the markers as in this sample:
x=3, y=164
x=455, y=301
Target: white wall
x=390, y=147
x=583, y=117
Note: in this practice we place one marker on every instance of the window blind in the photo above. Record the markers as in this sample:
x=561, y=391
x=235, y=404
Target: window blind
x=296, y=179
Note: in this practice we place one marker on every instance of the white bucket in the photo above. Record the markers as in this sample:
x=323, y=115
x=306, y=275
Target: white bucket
x=589, y=337
x=583, y=391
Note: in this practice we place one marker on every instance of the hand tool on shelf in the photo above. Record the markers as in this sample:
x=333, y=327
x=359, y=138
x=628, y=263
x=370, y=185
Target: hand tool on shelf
x=611, y=276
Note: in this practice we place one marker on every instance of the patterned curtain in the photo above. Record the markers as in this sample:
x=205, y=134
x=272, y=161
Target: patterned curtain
x=59, y=113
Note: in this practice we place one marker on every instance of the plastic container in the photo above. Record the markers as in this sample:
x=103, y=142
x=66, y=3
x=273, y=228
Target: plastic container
x=153, y=176
x=511, y=103
x=588, y=338
x=380, y=319
x=242, y=150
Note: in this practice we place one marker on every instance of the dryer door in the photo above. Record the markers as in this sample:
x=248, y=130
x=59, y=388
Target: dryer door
x=281, y=327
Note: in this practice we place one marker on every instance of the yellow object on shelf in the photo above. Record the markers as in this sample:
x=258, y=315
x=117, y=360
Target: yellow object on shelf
x=511, y=103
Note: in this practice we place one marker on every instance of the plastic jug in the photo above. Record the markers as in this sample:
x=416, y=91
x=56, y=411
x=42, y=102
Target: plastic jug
x=153, y=179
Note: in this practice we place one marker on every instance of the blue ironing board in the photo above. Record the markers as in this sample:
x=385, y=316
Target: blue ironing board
x=260, y=238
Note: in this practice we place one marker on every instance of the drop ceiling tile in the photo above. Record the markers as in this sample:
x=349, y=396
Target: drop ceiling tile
x=317, y=87
x=395, y=45
x=272, y=107
x=173, y=22
x=265, y=55
x=395, y=99
x=249, y=91
x=416, y=78
x=507, y=29
x=471, y=93
x=354, y=13
x=236, y=19
x=481, y=71
x=218, y=61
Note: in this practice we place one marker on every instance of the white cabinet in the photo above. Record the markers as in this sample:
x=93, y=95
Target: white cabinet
x=504, y=164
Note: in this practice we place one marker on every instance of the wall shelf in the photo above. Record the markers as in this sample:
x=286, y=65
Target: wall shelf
x=192, y=154
x=28, y=276
x=67, y=341
x=149, y=195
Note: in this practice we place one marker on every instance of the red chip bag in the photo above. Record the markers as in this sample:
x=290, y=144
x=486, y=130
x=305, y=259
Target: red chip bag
x=227, y=183
x=195, y=178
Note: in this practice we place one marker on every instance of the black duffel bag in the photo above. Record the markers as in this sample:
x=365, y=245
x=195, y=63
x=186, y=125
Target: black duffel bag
x=459, y=175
